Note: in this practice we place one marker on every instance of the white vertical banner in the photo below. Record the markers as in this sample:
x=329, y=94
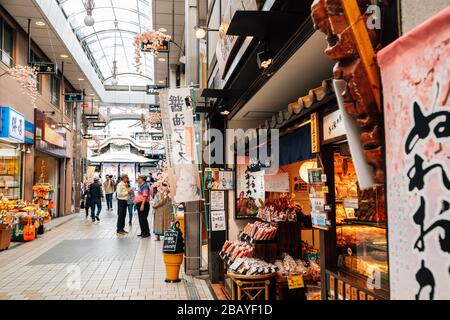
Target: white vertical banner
x=181, y=152
x=363, y=170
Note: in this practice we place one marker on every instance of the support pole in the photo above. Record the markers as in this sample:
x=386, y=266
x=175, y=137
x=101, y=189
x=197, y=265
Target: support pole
x=29, y=43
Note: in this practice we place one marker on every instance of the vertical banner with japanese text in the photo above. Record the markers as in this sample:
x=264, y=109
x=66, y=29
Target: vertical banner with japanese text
x=181, y=152
x=416, y=79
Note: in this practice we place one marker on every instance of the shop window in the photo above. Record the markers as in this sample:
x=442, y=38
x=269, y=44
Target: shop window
x=54, y=90
x=10, y=169
x=360, y=225
x=6, y=43
x=68, y=110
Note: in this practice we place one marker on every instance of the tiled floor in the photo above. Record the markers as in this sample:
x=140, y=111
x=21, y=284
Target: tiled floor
x=80, y=259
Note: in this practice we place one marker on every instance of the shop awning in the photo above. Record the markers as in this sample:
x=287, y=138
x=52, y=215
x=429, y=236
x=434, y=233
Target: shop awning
x=121, y=158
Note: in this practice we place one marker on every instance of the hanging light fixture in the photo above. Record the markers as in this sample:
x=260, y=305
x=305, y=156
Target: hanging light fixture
x=89, y=19
x=114, y=81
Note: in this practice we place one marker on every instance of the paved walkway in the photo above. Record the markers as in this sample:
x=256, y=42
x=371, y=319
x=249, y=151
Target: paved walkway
x=80, y=259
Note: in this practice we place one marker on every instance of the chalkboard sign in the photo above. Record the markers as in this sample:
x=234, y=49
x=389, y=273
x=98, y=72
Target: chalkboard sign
x=170, y=241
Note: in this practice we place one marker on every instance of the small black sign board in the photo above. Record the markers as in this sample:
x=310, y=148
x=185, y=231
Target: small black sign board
x=99, y=124
x=94, y=116
x=44, y=67
x=170, y=241
x=73, y=97
x=154, y=108
x=164, y=46
x=151, y=90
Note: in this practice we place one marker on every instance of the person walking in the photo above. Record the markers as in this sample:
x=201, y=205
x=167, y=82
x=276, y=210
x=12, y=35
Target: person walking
x=108, y=186
x=122, y=194
x=87, y=197
x=96, y=192
x=131, y=204
x=142, y=202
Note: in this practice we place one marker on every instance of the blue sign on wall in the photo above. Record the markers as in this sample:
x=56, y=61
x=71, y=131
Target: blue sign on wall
x=12, y=125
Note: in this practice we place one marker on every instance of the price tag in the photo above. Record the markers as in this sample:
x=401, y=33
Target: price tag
x=236, y=264
x=325, y=189
x=295, y=282
x=324, y=178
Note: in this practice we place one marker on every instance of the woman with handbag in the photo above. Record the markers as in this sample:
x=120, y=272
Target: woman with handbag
x=161, y=209
x=142, y=201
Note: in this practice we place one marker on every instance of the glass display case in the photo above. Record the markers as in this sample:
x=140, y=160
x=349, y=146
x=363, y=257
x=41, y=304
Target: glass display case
x=360, y=226
x=10, y=177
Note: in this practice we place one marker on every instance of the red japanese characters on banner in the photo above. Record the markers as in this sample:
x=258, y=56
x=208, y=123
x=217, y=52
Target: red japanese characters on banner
x=416, y=76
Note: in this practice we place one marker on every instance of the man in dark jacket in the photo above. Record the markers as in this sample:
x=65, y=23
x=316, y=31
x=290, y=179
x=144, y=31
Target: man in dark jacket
x=96, y=192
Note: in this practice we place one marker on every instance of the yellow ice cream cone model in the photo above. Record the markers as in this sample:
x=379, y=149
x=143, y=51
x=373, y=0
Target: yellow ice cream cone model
x=173, y=250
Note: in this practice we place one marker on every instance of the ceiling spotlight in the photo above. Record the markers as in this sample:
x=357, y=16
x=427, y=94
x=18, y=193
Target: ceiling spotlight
x=114, y=82
x=200, y=32
x=264, y=58
x=53, y=126
x=64, y=56
x=89, y=21
x=223, y=110
x=40, y=23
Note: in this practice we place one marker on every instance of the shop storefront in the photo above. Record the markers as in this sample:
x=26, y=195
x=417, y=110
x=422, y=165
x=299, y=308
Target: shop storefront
x=50, y=162
x=317, y=227
x=12, y=148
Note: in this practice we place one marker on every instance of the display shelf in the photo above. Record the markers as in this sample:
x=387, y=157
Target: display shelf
x=250, y=240
x=380, y=225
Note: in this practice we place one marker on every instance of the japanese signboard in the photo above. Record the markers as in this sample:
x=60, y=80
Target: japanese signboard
x=170, y=241
x=12, y=125
x=333, y=125
x=250, y=189
x=180, y=146
x=44, y=67
x=74, y=97
x=416, y=84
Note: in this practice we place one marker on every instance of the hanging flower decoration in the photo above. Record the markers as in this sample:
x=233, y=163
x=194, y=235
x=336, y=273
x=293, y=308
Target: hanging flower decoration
x=162, y=180
x=149, y=41
x=27, y=78
x=154, y=118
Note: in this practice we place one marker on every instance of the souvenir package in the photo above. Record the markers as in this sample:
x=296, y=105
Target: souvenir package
x=281, y=209
x=250, y=266
x=233, y=250
x=260, y=231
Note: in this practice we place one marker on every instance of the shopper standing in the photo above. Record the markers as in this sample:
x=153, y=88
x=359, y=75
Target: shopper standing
x=123, y=192
x=142, y=202
x=96, y=192
x=108, y=186
x=130, y=204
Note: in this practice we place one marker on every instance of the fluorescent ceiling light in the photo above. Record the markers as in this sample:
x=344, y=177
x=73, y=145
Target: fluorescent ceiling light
x=161, y=81
x=162, y=30
x=64, y=56
x=40, y=23
x=80, y=79
x=162, y=59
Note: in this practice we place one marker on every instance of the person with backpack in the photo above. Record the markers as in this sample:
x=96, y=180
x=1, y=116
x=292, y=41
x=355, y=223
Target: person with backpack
x=96, y=192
